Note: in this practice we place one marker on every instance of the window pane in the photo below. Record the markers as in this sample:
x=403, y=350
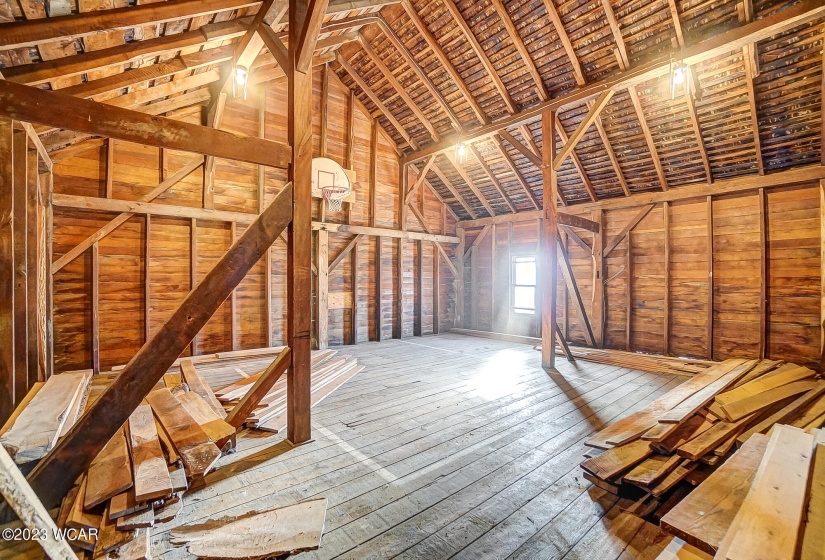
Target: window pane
x=524, y=298
x=525, y=272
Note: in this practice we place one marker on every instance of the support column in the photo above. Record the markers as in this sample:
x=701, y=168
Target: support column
x=6, y=271
x=550, y=231
x=598, y=279
x=459, y=286
x=299, y=248
x=322, y=309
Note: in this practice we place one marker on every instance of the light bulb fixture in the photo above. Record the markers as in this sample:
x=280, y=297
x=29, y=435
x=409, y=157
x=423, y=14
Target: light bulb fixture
x=241, y=80
x=679, y=78
x=461, y=152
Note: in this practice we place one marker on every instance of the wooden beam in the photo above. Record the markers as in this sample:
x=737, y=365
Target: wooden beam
x=147, y=234
x=379, y=275
x=548, y=247
x=399, y=88
x=717, y=45
x=651, y=145
x=345, y=6
x=822, y=274
x=345, y=251
x=72, y=455
x=749, y=76
x=697, y=130
x=435, y=47
x=763, y=272
x=34, y=252
x=628, y=271
x=521, y=148
x=35, y=105
x=355, y=277
x=588, y=186
x=621, y=49
x=575, y=221
x=322, y=295
x=501, y=10
x=558, y=25
x=666, y=287
x=422, y=177
x=599, y=300
x=677, y=24
x=632, y=223
x=478, y=50
x=470, y=183
x=78, y=249
x=588, y=120
x=311, y=26
x=376, y=100
x=95, y=297
x=19, y=226
x=418, y=324
x=241, y=411
x=493, y=179
x=498, y=143
x=299, y=248
x=710, y=276
x=373, y=185
x=34, y=32
x=382, y=232
x=608, y=147
x=571, y=234
x=450, y=187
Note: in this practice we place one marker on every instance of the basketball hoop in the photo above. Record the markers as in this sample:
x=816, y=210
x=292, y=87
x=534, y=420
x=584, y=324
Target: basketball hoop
x=335, y=196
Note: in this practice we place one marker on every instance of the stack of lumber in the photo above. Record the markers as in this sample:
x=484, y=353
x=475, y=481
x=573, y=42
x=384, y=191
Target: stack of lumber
x=660, y=452
x=642, y=362
x=766, y=503
x=328, y=373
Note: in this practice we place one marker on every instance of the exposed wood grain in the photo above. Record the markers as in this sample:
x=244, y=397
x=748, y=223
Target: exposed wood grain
x=151, y=477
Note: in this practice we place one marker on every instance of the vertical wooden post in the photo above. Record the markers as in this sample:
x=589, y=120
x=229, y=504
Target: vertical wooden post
x=95, y=309
x=110, y=164
x=261, y=206
x=763, y=273
x=355, y=264
x=508, y=266
x=233, y=299
x=537, y=317
x=629, y=295
x=399, y=270
x=373, y=171
x=21, y=304
x=322, y=309
x=6, y=270
x=268, y=296
x=47, y=188
x=549, y=246
x=598, y=279
x=419, y=288
x=666, y=298
x=474, y=286
x=32, y=272
x=710, y=278
x=493, y=262
x=193, y=271
x=147, y=234
x=299, y=254
x=459, y=287
x=324, y=109
x=564, y=329
x=822, y=273
x=350, y=130
x=379, y=276
x=436, y=289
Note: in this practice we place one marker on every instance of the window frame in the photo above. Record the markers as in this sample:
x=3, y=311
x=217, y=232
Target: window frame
x=514, y=260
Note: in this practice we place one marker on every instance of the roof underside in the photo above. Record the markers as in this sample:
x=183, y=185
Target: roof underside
x=430, y=68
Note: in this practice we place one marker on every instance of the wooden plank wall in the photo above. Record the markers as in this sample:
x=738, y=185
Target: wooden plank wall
x=124, y=301
x=668, y=301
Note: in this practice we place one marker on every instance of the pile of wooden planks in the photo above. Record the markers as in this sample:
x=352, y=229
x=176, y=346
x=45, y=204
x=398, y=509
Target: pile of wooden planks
x=642, y=362
x=766, y=503
x=328, y=373
x=660, y=452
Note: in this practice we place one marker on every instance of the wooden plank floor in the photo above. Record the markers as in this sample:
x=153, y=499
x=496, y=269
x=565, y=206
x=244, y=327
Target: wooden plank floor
x=446, y=446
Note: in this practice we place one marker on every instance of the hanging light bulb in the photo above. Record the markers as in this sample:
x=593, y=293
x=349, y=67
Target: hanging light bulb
x=461, y=152
x=241, y=80
x=678, y=78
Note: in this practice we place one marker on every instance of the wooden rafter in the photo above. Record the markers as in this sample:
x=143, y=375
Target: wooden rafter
x=400, y=89
x=436, y=194
x=450, y=187
x=308, y=35
x=588, y=186
x=553, y=14
x=375, y=99
x=588, y=120
x=501, y=9
x=493, y=179
x=651, y=146
x=480, y=54
x=36, y=31
x=435, y=47
x=697, y=130
x=723, y=43
x=608, y=147
x=677, y=23
x=422, y=176
x=528, y=137
x=621, y=49
x=470, y=183
x=632, y=223
x=749, y=76
x=498, y=143
x=533, y=158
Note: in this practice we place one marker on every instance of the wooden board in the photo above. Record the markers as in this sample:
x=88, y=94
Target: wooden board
x=744, y=407
x=37, y=427
x=617, y=460
x=813, y=537
x=770, y=516
x=151, y=476
x=277, y=532
x=213, y=425
x=652, y=470
x=78, y=518
x=139, y=548
x=200, y=387
x=764, y=384
x=196, y=450
x=110, y=473
x=20, y=407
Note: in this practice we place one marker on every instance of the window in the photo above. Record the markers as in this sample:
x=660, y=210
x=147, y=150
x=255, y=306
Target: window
x=523, y=284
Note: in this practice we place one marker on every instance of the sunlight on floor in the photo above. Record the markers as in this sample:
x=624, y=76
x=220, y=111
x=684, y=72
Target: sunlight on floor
x=497, y=378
